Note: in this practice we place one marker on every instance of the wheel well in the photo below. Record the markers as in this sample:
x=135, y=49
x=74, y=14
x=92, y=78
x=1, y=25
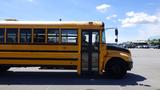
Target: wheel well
x=115, y=59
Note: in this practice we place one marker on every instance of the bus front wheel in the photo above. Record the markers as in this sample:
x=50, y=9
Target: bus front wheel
x=116, y=68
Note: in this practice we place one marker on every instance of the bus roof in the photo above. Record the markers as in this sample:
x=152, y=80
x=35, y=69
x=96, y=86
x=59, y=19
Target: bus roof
x=96, y=23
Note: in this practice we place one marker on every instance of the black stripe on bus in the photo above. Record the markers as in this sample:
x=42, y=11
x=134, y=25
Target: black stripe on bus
x=40, y=65
x=37, y=51
x=8, y=58
x=66, y=44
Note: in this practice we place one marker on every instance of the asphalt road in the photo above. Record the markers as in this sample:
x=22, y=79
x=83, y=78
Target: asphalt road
x=145, y=75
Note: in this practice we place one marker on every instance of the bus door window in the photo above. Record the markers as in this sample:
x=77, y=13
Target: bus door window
x=85, y=37
x=95, y=40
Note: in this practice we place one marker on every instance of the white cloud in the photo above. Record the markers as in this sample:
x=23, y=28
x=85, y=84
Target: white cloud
x=133, y=19
x=149, y=31
x=112, y=16
x=142, y=31
x=103, y=8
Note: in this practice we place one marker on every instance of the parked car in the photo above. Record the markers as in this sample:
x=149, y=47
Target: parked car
x=157, y=47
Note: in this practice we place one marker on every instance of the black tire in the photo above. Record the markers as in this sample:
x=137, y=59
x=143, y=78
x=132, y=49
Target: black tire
x=4, y=68
x=116, y=68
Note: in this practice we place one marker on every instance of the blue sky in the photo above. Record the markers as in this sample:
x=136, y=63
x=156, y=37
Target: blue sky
x=135, y=19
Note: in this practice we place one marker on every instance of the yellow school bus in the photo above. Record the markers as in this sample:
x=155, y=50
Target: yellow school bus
x=78, y=45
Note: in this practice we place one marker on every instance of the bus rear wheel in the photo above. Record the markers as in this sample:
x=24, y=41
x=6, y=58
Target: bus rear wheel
x=116, y=68
x=4, y=68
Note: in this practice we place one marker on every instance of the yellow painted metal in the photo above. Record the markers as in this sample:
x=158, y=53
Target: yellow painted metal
x=18, y=35
x=46, y=36
x=103, y=53
x=5, y=36
x=63, y=51
x=39, y=62
x=51, y=26
x=119, y=54
x=38, y=55
x=32, y=39
x=79, y=52
x=39, y=47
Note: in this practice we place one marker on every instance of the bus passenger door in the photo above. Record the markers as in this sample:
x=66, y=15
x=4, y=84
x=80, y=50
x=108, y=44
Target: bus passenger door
x=90, y=52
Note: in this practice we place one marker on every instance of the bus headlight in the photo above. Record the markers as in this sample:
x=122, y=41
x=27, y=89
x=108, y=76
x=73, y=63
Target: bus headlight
x=123, y=54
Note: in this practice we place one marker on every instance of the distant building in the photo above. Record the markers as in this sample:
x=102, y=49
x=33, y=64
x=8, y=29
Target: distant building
x=11, y=19
x=140, y=42
x=135, y=44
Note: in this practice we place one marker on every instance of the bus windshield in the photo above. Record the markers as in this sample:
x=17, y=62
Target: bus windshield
x=103, y=37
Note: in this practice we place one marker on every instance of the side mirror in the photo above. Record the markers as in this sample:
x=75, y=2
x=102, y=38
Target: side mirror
x=116, y=40
x=116, y=32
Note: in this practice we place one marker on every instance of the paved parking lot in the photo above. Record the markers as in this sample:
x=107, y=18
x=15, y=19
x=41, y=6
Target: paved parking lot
x=144, y=76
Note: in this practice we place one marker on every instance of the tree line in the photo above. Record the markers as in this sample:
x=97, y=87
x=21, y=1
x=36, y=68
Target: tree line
x=154, y=41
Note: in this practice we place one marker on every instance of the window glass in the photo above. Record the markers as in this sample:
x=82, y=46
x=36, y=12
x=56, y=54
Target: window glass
x=95, y=37
x=11, y=35
x=103, y=37
x=39, y=35
x=25, y=35
x=95, y=41
x=53, y=35
x=69, y=36
x=2, y=35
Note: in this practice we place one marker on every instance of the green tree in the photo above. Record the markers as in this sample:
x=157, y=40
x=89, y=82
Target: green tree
x=154, y=41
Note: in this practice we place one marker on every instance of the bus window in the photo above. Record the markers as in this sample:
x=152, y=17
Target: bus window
x=25, y=35
x=95, y=37
x=95, y=40
x=69, y=36
x=53, y=36
x=2, y=35
x=11, y=35
x=39, y=35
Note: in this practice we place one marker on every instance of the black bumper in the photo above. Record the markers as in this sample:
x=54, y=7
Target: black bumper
x=130, y=65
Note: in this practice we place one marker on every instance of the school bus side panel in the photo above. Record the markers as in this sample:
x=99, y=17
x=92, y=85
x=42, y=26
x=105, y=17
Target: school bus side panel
x=39, y=54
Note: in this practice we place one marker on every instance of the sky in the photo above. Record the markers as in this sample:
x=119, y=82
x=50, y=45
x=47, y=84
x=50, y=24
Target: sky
x=135, y=19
